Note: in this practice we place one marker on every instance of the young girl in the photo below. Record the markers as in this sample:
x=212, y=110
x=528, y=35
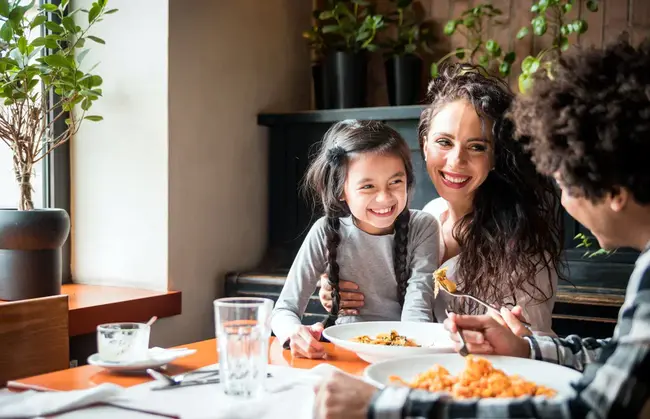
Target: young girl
x=362, y=176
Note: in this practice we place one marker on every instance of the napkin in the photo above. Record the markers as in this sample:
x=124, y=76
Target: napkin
x=290, y=394
x=30, y=403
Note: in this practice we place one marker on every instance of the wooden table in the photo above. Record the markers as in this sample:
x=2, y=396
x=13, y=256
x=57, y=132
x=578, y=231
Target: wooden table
x=90, y=305
x=90, y=376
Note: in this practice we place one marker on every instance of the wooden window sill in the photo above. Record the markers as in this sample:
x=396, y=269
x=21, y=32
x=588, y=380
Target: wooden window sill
x=91, y=305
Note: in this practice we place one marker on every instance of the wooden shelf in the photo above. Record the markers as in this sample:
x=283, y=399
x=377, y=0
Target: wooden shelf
x=91, y=305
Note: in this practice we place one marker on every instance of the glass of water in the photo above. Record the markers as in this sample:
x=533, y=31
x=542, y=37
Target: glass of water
x=243, y=328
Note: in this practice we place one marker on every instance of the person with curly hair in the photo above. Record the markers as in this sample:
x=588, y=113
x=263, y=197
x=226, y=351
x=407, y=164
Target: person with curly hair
x=501, y=222
x=589, y=127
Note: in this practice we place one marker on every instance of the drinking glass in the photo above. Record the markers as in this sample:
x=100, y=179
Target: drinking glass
x=243, y=329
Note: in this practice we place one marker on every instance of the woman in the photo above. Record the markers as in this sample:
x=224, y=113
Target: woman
x=500, y=221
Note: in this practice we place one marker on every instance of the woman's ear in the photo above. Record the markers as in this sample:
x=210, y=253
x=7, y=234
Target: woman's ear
x=425, y=148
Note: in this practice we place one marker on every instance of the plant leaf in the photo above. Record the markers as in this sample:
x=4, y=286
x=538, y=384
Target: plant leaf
x=49, y=7
x=6, y=33
x=53, y=26
x=38, y=20
x=56, y=60
x=96, y=39
x=93, y=13
x=592, y=5
x=522, y=32
x=81, y=55
x=434, y=70
x=510, y=57
x=4, y=8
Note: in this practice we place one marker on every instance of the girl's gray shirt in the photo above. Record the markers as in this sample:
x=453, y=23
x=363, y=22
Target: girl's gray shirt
x=367, y=260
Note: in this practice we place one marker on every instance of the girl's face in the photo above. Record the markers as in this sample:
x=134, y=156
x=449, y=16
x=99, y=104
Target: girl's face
x=459, y=153
x=375, y=190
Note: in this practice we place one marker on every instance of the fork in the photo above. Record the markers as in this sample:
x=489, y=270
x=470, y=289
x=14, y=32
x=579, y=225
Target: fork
x=478, y=300
x=463, y=351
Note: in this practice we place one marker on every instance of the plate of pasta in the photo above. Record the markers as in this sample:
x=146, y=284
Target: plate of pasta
x=381, y=340
x=475, y=376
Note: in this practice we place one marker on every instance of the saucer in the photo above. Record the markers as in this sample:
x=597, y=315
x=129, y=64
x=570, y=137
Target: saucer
x=157, y=358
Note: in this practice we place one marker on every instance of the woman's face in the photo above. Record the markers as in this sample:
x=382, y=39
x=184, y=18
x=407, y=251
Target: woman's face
x=459, y=152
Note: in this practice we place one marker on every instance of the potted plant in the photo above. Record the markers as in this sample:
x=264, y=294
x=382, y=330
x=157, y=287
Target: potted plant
x=412, y=36
x=478, y=51
x=33, y=68
x=550, y=18
x=316, y=41
x=350, y=28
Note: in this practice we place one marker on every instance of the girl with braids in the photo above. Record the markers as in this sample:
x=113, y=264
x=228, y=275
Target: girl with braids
x=500, y=221
x=362, y=177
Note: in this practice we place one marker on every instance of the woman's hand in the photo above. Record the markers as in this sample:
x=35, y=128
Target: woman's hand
x=484, y=335
x=351, y=298
x=304, y=342
x=342, y=396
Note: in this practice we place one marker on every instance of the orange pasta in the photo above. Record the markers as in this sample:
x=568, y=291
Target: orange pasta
x=478, y=379
x=387, y=339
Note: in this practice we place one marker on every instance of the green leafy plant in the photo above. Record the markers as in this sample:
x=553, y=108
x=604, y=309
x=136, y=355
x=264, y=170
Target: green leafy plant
x=28, y=75
x=350, y=26
x=413, y=33
x=315, y=37
x=586, y=242
x=486, y=53
x=550, y=18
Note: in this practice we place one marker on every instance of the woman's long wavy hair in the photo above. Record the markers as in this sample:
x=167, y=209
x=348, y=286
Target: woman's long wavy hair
x=515, y=227
x=325, y=180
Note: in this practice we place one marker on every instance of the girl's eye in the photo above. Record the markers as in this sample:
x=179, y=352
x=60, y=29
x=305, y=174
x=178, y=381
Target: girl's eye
x=366, y=187
x=396, y=182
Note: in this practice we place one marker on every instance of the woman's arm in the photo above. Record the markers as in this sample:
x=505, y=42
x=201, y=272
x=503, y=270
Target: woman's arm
x=536, y=312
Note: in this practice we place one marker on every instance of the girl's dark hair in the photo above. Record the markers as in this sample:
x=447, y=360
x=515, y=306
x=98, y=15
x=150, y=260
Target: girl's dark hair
x=515, y=226
x=325, y=179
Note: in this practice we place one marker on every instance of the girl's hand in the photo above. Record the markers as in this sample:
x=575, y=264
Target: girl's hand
x=484, y=335
x=351, y=298
x=304, y=342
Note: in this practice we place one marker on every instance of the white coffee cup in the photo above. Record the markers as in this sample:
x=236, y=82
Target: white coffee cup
x=123, y=342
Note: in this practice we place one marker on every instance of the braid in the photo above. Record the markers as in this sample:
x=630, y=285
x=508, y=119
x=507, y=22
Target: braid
x=332, y=240
x=401, y=252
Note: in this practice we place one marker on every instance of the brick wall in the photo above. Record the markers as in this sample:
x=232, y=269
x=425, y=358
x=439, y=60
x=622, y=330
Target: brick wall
x=613, y=17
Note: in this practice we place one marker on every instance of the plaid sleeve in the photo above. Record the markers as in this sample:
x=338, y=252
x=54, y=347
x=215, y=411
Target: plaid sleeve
x=572, y=351
x=615, y=383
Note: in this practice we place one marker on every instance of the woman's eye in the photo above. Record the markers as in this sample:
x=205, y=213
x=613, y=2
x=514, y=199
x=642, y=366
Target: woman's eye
x=396, y=182
x=366, y=187
x=478, y=147
x=444, y=142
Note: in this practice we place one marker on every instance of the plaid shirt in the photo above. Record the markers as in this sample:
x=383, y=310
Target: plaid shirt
x=615, y=383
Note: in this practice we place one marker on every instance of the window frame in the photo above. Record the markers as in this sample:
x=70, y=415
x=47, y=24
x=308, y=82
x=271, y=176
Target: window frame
x=56, y=174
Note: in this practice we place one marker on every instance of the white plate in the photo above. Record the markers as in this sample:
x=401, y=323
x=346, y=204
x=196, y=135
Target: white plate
x=158, y=358
x=432, y=337
x=543, y=373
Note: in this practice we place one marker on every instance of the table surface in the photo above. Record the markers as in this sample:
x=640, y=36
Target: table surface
x=206, y=354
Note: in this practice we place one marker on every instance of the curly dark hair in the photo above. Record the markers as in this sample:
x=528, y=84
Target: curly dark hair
x=515, y=226
x=325, y=179
x=590, y=123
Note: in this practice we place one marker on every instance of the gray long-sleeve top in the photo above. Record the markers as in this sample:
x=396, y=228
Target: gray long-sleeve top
x=367, y=260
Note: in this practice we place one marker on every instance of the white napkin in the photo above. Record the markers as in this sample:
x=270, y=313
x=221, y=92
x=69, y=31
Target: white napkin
x=30, y=403
x=290, y=394
x=161, y=354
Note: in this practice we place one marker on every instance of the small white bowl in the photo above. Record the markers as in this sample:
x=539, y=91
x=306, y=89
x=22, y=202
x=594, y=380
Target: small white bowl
x=432, y=338
x=123, y=342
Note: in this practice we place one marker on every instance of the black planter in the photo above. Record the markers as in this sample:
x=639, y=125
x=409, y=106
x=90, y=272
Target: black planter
x=30, y=252
x=321, y=100
x=345, y=77
x=403, y=75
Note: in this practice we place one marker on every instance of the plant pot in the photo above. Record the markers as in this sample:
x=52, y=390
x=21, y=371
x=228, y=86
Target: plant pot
x=30, y=252
x=321, y=100
x=403, y=75
x=345, y=77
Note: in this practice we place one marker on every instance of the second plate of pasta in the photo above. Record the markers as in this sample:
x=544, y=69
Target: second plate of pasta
x=475, y=376
x=377, y=341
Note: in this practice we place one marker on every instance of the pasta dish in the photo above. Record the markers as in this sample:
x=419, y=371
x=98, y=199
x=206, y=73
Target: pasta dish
x=440, y=280
x=387, y=339
x=478, y=379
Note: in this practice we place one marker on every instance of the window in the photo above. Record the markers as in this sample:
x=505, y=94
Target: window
x=51, y=179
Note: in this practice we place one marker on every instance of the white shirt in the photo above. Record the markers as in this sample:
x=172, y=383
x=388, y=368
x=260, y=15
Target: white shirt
x=538, y=314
